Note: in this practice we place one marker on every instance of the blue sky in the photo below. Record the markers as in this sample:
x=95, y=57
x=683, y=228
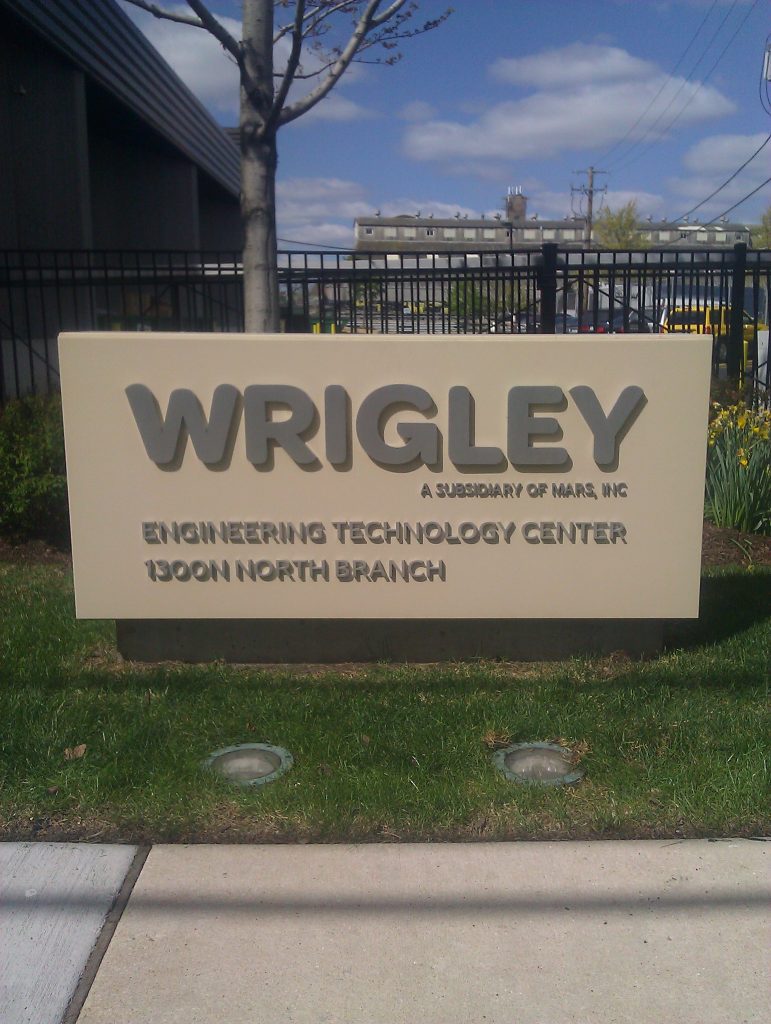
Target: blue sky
x=663, y=94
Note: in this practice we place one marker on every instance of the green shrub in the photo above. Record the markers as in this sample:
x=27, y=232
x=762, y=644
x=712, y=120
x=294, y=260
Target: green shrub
x=738, y=492
x=33, y=482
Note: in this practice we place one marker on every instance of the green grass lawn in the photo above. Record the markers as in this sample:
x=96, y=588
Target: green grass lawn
x=676, y=746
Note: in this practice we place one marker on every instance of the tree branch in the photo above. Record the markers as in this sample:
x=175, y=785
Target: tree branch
x=203, y=19
x=314, y=16
x=387, y=37
x=218, y=30
x=363, y=26
x=387, y=14
x=161, y=12
x=292, y=64
x=373, y=27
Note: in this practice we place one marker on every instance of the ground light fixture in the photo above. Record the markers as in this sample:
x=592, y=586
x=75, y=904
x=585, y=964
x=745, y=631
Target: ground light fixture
x=250, y=764
x=539, y=764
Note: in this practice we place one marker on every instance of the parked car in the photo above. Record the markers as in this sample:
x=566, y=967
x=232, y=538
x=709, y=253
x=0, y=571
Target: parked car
x=620, y=322
x=506, y=324
x=714, y=320
x=633, y=322
x=514, y=324
x=566, y=323
x=524, y=324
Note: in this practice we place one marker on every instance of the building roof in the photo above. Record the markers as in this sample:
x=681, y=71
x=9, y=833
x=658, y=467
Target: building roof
x=684, y=225
x=100, y=39
x=643, y=225
x=538, y=222
x=404, y=220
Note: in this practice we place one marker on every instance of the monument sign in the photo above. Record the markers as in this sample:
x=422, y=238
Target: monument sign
x=369, y=477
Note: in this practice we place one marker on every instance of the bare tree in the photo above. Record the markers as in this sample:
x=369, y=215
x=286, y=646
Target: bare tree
x=317, y=41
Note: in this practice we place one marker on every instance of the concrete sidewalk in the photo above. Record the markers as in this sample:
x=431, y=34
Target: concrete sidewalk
x=54, y=901
x=580, y=932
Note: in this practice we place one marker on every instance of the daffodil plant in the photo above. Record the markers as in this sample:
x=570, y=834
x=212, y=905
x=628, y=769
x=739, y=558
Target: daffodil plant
x=738, y=491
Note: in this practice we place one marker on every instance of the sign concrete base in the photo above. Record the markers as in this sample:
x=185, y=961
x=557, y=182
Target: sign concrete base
x=365, y=640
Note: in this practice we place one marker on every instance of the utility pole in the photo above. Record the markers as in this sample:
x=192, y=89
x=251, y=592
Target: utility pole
x=589, y=190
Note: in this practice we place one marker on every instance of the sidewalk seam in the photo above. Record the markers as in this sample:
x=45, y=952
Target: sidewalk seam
x=113, y=916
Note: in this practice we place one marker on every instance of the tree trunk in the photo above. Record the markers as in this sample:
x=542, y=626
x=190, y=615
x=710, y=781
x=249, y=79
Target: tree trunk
x=259, y=158
x=258, y=206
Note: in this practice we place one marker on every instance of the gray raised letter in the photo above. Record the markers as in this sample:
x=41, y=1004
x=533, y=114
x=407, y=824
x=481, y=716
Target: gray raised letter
x=261, y=429
x=163, y=439
x=336, y=415
x=607, y=429
x=422, y=439
x=523, y=425
x=460, y=444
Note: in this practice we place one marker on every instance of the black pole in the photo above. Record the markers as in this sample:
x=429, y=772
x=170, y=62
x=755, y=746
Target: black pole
x=548, y=284
x=735, y=353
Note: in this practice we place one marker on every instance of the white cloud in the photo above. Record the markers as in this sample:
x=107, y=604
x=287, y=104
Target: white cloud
x=473, y=107
x=417, y=110
x=335, y=107
x=487, y=170
x=311, y=233
x=649, y=204
x=549, y=204
x=591, y=114
x=318, y=200
x=427, y=208
x=577, y=64
x=722, y=154
x=709, y=163
x=319, y=188
x=322, y=210
x=303, y=199
x=197, y=58
x=211, y=74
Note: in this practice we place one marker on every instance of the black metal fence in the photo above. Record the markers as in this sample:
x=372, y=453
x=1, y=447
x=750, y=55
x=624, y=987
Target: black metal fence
x=547, y=290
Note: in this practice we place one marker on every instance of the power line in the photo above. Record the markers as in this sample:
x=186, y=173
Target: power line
x=726, y=182
x=701, y=84
x=730, y=209
x=625, y=159
x=744, y=200
x=315, y=245
x=663, y=86
x=683, y=84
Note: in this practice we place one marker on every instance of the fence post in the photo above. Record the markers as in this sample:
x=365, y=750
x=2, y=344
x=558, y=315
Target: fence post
x=547, y=281
x=735, y=353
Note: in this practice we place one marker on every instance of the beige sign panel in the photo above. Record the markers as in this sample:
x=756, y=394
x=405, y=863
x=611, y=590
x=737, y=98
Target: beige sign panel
x=236, y=476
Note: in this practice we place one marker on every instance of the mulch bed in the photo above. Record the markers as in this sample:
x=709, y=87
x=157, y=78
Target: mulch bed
x=720, y=547
x=33, y=552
